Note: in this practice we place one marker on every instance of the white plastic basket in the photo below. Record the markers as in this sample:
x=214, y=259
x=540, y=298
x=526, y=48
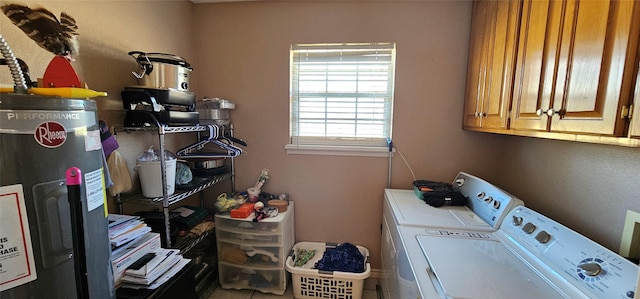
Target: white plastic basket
x=313, y=283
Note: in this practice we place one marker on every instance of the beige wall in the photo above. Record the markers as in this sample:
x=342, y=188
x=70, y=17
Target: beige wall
x=588, y=187
x=243, y=55
x=240, y=52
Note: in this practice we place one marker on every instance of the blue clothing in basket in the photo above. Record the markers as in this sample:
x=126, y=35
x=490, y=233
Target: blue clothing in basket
x=345, y=258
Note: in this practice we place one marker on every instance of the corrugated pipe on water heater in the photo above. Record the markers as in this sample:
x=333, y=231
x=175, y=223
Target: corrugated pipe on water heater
x=20, y=85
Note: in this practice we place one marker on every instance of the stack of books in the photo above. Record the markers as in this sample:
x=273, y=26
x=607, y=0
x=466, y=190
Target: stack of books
x=130, y=239
x=124, y=229
x=153, y=269
x=137, y=258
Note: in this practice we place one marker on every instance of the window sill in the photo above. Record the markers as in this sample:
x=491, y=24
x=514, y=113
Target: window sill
x=328, y=150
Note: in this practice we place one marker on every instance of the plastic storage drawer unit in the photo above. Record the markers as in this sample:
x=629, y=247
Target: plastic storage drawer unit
x=251, y=255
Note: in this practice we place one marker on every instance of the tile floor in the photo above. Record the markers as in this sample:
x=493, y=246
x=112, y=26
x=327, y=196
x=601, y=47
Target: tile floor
x=368, y=292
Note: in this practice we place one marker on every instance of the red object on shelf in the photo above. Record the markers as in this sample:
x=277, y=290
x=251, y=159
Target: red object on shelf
x=60, y=73
x=243, y=211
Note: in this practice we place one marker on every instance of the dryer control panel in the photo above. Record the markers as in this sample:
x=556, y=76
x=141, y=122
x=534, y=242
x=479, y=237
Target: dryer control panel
x=486, y=200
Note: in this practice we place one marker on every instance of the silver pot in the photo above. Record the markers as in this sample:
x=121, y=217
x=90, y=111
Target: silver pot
x=214, y=111
x=159, y=70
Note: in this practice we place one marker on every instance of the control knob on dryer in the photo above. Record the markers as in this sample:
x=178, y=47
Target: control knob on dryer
x=496, y=204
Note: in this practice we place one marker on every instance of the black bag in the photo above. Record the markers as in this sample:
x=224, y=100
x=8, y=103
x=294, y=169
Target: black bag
x=437, y=194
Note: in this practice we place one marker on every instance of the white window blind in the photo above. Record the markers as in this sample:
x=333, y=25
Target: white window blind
x=342, y=94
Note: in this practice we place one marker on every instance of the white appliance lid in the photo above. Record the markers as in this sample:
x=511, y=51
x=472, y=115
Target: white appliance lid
x=410, y=210
x=481, y=268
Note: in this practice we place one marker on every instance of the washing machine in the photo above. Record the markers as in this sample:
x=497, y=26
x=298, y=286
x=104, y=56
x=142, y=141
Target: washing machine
x=530, y=256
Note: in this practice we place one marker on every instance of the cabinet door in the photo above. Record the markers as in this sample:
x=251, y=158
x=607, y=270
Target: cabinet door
x=595, y=66
x=476, y=70
x=538, y=42
x=491, y=62
x=505, y=16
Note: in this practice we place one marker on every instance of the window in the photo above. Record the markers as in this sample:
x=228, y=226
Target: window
x=341, y=97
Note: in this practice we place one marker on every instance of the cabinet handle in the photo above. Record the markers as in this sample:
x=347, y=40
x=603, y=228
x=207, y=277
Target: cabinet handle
x=549, y=112
x=627, y=112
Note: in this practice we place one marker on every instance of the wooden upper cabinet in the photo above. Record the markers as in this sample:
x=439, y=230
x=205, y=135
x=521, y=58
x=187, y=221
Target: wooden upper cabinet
x=575, y=67
x=491, y=62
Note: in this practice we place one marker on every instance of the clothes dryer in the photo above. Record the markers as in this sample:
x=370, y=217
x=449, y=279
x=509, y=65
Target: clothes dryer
x=486, y=208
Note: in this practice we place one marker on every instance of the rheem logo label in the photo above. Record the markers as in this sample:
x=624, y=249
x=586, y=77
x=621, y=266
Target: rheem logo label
x=50, y=134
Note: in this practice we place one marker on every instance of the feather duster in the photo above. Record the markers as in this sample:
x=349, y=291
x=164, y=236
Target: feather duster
x=42, y=26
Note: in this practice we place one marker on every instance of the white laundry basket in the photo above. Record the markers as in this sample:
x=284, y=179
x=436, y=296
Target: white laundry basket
x=313, y=283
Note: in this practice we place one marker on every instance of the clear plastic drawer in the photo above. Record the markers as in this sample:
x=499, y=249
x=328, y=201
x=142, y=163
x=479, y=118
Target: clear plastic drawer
x=251, y=255
x=269, y=281
x=249, y=238
x=242, y=225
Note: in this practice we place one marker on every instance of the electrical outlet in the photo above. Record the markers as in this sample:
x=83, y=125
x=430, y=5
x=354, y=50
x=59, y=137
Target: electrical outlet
x=630, y=244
